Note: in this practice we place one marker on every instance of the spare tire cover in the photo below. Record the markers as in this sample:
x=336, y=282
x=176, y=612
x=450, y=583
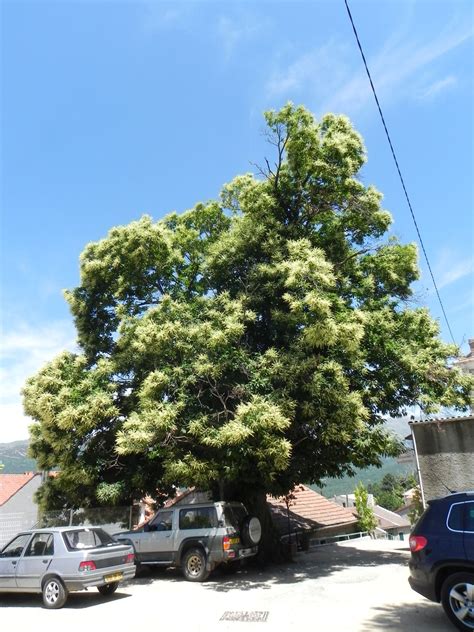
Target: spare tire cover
x=251, y=531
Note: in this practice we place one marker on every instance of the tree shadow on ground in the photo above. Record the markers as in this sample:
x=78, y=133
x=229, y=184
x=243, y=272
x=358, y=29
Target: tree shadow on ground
x=314, y=564
x=317, y=563
x=420, y=616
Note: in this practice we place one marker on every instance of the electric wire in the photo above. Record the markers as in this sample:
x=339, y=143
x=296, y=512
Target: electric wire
x=399, y=172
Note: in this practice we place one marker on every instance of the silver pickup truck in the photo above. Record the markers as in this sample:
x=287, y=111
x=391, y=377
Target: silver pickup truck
x=196, y=538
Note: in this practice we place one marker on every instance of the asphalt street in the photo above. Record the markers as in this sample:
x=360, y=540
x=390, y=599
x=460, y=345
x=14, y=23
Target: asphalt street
x=356, y=586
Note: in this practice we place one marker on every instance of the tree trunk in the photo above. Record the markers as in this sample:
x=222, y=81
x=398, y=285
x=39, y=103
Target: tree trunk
x=271, y=548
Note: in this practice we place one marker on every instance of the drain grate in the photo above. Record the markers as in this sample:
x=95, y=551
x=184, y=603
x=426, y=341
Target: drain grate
x=249, y=616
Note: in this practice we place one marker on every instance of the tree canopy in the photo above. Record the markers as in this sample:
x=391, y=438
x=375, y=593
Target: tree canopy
x=388, y=493
x=253, y=342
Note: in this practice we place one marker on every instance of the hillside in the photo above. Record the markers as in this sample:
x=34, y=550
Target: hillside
x=347, y=484
x=14, y=458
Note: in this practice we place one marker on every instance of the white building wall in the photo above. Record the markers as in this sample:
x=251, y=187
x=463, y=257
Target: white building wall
x=20, y=512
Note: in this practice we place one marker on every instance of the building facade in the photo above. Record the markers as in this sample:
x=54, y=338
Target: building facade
x=445, y=449
x=18, y=509
x=466, y=364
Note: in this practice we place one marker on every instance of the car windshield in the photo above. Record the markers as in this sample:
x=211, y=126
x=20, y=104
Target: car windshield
x=234, y=514
x=87, y=539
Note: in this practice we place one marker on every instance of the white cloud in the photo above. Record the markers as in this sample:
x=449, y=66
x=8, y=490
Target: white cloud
x=462, y=306
x=456, y=272
x=450, y=268
x=307, y=70
x=157, y=16
x=337, y=79
x=437, y=87
x=14, y=423
x=23, y=351
x=234, y=33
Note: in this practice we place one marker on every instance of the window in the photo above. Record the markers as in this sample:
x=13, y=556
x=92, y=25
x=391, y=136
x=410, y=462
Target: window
x=198, y=518
x=455, y=517
x=163, y=521
x=469, y=517
x=41, y=544
x=16, y=546
x=87, y=539
x=234, y=515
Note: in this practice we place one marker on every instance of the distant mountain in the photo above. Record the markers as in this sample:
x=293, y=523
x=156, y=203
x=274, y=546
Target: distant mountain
x=14, y=459
x=347, y=484
x=13, y=456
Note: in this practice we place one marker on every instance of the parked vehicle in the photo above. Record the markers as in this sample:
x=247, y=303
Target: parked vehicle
x=196, y=538
x=59, y=560
x=442, y=556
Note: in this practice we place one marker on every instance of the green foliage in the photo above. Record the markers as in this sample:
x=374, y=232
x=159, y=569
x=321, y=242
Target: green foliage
x=250, y=343
x=367, y=520
x=417, y=509
x=389, y=492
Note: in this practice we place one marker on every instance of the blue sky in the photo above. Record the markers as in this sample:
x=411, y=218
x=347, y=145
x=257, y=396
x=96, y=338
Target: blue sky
x=115, y=109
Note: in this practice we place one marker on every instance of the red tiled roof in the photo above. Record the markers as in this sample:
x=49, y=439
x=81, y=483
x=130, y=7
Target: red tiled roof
x=10, y=484
x=308, y=510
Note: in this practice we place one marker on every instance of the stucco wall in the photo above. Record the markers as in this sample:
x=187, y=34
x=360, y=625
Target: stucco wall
x=20, y=511
x=446, y=455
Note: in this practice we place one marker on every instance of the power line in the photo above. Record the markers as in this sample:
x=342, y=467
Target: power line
x=399, y=172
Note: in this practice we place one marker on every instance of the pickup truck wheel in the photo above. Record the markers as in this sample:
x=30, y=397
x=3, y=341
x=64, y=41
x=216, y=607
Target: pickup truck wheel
x=108, y=589
x=54, y=593
x=194, y=565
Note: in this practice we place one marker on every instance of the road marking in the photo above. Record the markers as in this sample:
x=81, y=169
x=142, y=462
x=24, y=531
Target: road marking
x=252, y=616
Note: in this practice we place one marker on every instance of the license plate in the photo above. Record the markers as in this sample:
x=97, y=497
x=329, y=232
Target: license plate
x=114, y=577
x=235, y=540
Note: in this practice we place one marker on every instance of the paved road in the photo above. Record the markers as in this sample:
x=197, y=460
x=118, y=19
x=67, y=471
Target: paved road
x=357, y=586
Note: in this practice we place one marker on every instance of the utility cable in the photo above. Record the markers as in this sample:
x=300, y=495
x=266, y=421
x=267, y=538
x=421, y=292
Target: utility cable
x=399, y=172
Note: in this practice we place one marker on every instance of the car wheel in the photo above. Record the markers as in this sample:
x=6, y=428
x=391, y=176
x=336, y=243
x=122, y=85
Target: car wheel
x=251, y=531
x=457, y=597
x=54, y=593
x=194, y=565
x=108, y=589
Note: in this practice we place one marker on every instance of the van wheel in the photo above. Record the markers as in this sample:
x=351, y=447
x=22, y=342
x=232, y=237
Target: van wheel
x=194, y=565
x=54, y=593
x=457, y=597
